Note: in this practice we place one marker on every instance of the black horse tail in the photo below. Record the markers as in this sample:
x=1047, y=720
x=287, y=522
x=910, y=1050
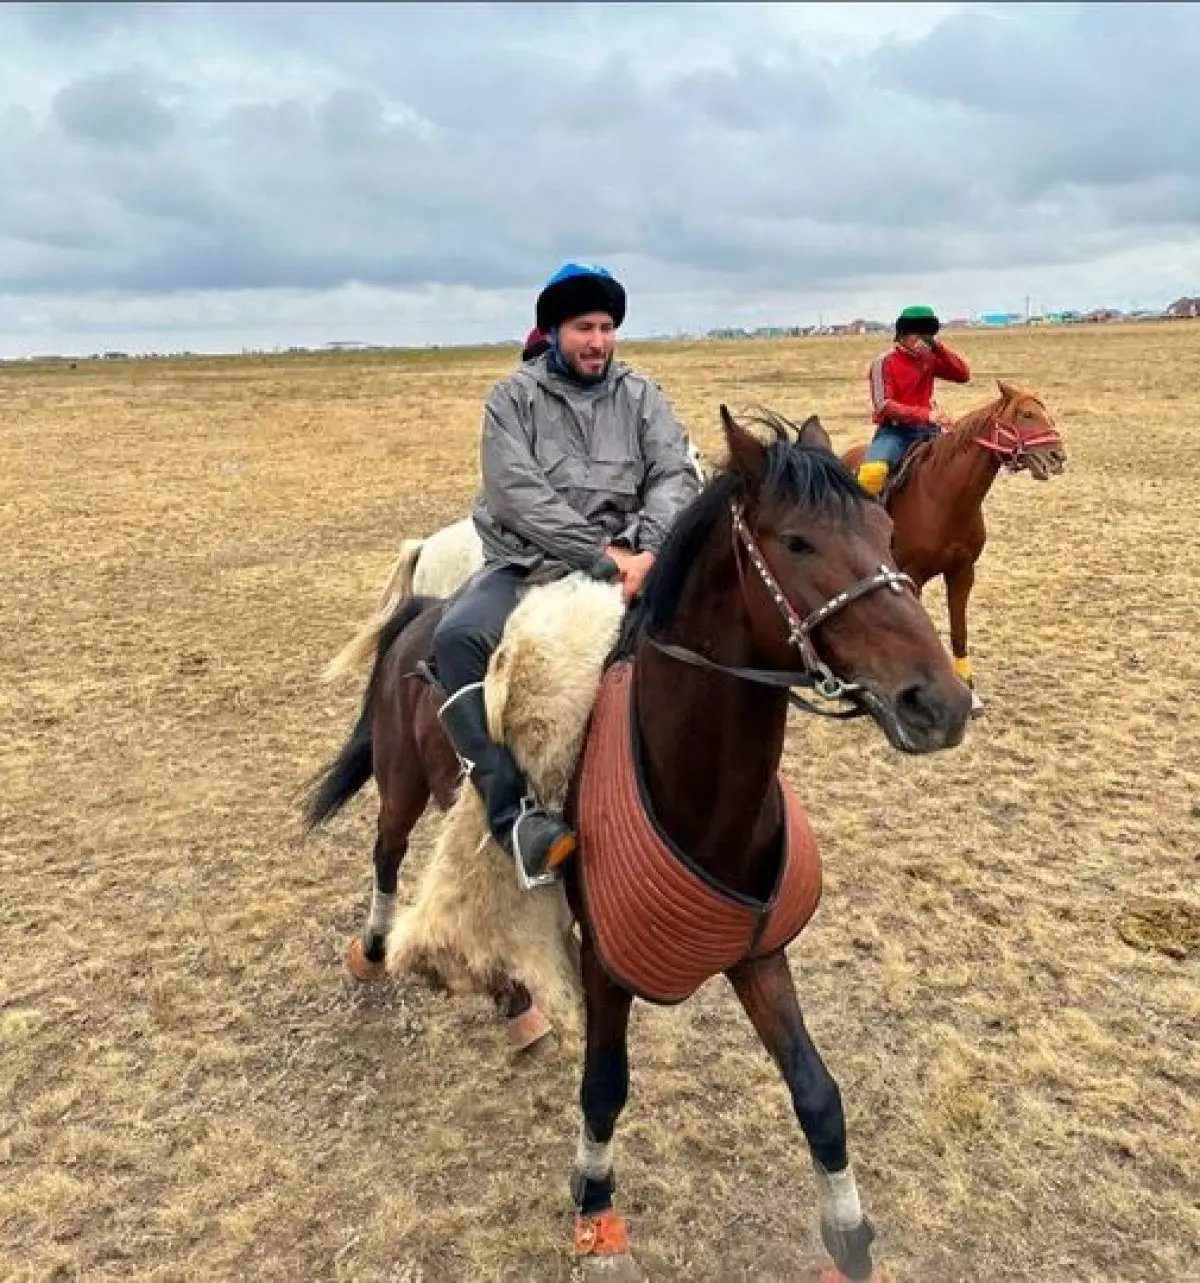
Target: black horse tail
x=352, y=767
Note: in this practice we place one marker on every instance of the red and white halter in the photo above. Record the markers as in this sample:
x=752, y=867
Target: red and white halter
x=1014, y=444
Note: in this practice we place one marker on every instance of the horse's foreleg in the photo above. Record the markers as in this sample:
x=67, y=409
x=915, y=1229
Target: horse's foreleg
x=766, y=991
x=958, y=592
x=601, y=1238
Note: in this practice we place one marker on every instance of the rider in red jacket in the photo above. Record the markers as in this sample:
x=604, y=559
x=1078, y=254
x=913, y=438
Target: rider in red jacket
x=902, y=393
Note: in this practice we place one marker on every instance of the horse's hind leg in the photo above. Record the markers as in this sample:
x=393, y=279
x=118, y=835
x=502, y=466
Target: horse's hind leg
x=766, y=991
x=398, y=817
x=958, y=592
x=524, y=1022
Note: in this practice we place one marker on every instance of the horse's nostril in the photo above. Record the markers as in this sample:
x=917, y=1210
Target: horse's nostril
x=920, y=706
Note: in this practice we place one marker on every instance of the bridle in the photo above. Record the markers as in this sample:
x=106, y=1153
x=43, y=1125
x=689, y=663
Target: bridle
x=814, y=674
x=1013, y=445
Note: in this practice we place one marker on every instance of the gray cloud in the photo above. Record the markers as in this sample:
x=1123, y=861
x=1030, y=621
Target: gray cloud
x=149, y=151
x=115, y=110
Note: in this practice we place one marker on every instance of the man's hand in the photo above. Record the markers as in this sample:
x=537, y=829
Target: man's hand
x=634, y=568
x=635, y=575
x=622, y=556
x=942, y=419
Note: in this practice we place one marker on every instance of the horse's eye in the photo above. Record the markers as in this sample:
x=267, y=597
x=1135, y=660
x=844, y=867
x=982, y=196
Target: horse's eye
x=796, y=546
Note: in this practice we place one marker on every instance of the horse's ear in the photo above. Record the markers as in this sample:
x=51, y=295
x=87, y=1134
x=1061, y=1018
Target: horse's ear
x=747, y=454
x=1009, y=391
x=813, y=433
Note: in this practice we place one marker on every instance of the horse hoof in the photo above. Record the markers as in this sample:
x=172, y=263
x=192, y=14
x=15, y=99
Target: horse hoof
x=976, y=705
x=527, y=1029
x=602, y=1249
x=831, y=1274
x=360, y=966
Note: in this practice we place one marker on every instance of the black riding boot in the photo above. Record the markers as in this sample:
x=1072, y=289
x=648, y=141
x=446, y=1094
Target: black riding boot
x=537, y=840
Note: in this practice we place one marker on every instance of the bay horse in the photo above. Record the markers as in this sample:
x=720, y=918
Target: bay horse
x=777, y=576
x=935, y=497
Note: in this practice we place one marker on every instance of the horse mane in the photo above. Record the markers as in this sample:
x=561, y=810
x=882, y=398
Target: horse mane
x=966, y=429
x=801, y=475
x=956, y=439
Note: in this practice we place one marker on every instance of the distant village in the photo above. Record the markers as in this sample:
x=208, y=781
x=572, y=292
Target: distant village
x=1182, y=309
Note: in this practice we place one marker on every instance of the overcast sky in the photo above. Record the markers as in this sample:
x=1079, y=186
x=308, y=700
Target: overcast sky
x=210, y=176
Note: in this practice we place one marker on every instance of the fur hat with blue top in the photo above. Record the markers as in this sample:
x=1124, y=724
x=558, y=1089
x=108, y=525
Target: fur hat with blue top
x=576, y=289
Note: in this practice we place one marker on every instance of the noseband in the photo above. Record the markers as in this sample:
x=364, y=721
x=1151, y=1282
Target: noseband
x=814, y=674
x=1014, y=445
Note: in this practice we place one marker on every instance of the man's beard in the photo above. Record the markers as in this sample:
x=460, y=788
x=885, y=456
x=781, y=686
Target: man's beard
x=598, y=377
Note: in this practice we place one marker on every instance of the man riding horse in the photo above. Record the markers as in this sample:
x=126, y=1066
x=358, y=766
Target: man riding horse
x=902, y=393
x=584, y=468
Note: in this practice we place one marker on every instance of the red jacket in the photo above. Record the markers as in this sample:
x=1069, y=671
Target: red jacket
x=902, y=382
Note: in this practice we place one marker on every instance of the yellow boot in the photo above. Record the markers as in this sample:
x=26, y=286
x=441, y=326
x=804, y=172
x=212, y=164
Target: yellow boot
x=871, y=476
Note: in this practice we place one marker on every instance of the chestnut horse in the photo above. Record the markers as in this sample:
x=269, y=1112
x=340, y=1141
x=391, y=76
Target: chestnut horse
x=935, y=497
x=778, y=575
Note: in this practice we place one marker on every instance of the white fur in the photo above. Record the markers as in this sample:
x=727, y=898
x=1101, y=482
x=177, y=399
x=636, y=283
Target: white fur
x=838, y=1193
x=471, y=922
x=433, y=567
x=383, y=912
x=593, y=1158
x=448, y=559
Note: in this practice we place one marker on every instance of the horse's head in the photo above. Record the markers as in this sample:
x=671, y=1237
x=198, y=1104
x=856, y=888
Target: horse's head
x=1022, y=433
x=817, y=577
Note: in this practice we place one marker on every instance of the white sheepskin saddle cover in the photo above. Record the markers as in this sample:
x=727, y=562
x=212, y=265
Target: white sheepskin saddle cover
x=470, y=922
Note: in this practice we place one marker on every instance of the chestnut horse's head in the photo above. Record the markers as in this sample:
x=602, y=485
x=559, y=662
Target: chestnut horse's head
x=1021, y=432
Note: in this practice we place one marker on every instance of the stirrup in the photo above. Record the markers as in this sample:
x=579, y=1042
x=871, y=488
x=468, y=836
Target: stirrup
x=551, y=874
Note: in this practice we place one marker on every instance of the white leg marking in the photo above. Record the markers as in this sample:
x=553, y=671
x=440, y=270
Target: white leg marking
x=592, y=1159
x=838, y=1194
x=383, y=910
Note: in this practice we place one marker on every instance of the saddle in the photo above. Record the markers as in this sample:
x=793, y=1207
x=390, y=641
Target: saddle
x=662, y=926
x=901, y=474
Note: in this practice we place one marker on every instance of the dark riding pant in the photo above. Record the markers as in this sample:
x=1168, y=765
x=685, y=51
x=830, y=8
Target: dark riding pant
x=463, y=642
x=471, y=628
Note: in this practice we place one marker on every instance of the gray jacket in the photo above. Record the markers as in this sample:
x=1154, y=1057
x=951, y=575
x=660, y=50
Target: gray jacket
x=568, y=469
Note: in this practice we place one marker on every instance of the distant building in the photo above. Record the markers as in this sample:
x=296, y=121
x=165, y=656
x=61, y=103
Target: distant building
x=1185, y=307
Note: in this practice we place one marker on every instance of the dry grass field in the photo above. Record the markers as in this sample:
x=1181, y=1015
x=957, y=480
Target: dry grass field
x=1003, y=973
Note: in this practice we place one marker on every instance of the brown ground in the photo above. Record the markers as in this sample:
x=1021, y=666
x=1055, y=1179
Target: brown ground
x=1002, y=975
